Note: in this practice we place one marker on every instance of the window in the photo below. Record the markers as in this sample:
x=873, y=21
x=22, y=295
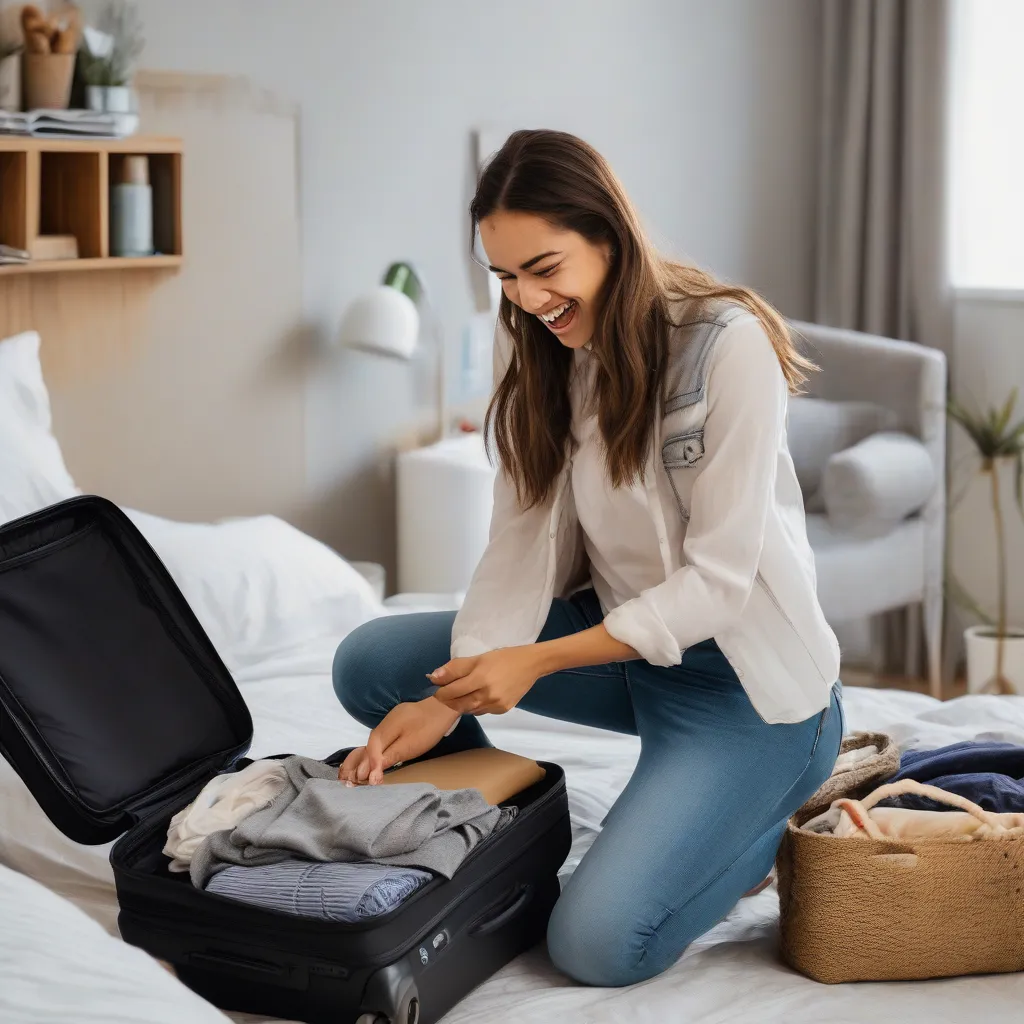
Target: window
x=987, y=145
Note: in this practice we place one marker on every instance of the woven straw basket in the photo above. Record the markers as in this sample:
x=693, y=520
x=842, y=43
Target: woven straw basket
x=884, y=909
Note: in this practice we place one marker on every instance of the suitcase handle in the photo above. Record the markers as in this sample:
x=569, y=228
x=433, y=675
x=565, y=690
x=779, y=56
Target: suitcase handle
x=236, y=964
x=521, y=895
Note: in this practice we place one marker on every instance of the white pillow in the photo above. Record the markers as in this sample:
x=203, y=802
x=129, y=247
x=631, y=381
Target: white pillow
x=819, y=427
x=32, y=470
x=874, y=485
x=274, y=601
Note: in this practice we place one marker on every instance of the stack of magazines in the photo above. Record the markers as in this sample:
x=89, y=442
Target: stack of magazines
x=9, y=256
x=68, y=123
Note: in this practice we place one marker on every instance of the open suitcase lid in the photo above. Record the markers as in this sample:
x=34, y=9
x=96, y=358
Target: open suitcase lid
x=114, y=703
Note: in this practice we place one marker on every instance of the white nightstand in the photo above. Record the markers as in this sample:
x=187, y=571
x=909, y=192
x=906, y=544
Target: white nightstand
x=445, y=496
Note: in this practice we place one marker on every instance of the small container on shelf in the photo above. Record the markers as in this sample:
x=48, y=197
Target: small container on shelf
x=131, y=209
x=53, y=247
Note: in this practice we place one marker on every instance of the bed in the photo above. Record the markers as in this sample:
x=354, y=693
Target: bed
x=58, y=965
x=276, y=602
x=732, y=974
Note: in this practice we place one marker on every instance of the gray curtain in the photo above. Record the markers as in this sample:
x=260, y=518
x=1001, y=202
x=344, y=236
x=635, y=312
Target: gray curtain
x=882, y=204
x=882, y=195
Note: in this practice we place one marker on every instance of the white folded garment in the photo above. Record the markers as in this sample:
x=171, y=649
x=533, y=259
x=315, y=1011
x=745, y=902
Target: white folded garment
x=224, y=802
x=848, y=761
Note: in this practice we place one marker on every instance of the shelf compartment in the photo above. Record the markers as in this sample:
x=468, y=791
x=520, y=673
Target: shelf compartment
x=165, y=182
x=71, y=185
x=13, y=199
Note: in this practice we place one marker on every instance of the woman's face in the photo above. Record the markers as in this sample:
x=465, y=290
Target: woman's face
x=553, y=274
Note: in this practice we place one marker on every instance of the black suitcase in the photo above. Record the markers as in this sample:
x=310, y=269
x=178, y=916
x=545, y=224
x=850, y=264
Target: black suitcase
x=116, y=710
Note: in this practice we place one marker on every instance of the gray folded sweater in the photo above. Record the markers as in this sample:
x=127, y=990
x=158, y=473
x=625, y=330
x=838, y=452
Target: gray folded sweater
x=319, y=818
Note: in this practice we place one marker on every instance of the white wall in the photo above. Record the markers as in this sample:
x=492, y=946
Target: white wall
x=707, y=111
x=988, y=361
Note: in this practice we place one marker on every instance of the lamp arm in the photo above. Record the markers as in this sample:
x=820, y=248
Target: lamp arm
x=437, y=332
x=405, y=277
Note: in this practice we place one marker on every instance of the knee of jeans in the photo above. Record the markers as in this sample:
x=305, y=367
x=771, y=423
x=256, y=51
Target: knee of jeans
x=587, y=945
x=357, y=671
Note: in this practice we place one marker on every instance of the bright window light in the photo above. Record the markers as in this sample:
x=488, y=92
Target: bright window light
x=987, y=145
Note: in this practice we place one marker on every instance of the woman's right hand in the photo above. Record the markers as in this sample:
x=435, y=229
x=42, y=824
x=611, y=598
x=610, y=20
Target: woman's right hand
x=407, y=731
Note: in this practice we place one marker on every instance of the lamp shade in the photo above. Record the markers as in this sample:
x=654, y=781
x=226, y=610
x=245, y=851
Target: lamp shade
x=383, y=320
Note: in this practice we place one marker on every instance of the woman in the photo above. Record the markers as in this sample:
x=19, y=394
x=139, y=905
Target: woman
x=648, y=570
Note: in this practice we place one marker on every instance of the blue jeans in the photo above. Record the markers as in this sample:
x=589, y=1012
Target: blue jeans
x=699, y=822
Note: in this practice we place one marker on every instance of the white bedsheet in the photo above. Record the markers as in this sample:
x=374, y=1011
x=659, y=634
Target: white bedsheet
x=732, y=974
x=57, y=965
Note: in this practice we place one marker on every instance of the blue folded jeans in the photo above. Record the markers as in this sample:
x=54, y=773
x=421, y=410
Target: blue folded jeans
x=698, y=824
x=331, y=892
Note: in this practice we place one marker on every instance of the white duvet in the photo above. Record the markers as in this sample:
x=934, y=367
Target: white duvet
x=258, y=612
x=57, y=965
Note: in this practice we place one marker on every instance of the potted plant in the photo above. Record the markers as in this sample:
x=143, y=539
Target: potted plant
x=108, y=58
x=48, y=61
x=995, y=651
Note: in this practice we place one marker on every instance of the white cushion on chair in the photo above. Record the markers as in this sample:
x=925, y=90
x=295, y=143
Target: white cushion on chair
x=869, y=488
x=818, y=428
x=858, y=577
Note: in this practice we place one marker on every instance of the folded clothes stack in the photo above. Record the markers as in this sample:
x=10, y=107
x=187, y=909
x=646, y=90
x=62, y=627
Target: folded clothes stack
x=963, y=791
x=288, y=836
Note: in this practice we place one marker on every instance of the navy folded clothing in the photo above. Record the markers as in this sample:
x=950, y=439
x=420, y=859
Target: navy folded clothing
x=331, y=892
x=990, y=774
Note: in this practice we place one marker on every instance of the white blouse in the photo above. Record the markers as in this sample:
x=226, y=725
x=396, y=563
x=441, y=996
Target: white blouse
x=619, y=534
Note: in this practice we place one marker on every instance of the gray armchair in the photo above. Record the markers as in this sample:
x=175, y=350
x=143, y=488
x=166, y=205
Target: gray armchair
x=874, y=421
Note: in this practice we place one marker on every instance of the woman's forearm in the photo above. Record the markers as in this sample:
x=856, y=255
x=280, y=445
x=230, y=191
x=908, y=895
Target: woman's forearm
x=594, y=646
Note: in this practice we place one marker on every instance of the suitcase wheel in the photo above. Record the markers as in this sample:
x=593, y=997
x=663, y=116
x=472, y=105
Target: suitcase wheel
x=392, y=994
x=409, y=1013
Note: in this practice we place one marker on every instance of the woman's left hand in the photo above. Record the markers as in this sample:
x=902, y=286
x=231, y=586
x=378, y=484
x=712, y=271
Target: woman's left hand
x=489, y=684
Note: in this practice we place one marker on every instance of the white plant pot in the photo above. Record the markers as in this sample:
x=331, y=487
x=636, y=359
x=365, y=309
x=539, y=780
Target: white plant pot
x=981, y=645
x=110, y=99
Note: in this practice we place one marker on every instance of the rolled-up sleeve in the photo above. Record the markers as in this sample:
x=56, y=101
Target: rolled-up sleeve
x=733, y=488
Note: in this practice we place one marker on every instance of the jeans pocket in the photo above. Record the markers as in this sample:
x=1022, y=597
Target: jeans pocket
x=842, y=715
x=822, y=719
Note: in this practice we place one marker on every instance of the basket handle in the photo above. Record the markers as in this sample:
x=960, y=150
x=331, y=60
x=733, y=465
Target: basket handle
x=932, y=792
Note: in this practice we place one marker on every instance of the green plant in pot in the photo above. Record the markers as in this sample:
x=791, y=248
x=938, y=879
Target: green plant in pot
x=995, y=651
x=112, y=48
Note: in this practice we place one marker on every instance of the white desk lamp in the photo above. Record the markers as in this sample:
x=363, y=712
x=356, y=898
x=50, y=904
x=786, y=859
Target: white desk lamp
x=386, y=321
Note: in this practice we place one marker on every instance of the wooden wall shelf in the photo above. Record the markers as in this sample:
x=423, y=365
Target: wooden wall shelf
x=62, y=187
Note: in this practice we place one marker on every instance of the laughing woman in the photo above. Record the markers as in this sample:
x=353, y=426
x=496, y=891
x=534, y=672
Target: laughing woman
x=648, y=570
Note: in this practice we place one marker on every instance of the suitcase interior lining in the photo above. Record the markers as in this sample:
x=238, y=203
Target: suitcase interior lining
x=96, y=657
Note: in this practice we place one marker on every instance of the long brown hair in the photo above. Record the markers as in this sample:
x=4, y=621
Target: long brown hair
x=564, y=180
